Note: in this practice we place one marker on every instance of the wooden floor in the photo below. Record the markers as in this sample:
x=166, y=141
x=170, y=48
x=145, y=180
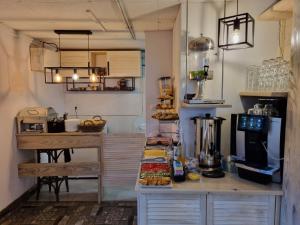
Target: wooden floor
x=72, y=213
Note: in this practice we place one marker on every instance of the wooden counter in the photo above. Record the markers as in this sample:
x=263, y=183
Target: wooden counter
x=224, y=201
x=229, y=184
x=51, y=141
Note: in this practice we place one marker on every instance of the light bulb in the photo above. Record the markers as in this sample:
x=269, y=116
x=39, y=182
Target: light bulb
x=57, y=77
x=236, y=31
x=75, y=76
x=93, y=78
x=236, y=36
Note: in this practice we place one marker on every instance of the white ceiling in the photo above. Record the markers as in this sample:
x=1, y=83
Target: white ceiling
x=38, y=18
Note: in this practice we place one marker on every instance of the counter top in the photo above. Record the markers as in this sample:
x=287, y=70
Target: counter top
x=231, y=183
x=60, y=134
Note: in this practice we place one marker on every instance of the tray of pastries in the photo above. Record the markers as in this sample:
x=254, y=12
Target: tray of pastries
x=165, y=141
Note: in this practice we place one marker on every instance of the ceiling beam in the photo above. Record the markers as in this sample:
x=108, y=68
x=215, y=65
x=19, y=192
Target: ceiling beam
x=126, y=18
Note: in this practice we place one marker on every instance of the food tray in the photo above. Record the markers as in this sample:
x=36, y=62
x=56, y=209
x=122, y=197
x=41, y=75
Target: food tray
x=170, y=185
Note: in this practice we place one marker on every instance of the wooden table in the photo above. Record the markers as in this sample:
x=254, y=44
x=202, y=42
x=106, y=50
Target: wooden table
x=51, y=141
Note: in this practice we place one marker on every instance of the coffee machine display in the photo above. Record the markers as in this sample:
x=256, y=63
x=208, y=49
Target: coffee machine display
x=208, y=144
x=257, y=144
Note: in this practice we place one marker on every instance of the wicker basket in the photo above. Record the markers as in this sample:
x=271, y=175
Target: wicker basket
x=92, y=125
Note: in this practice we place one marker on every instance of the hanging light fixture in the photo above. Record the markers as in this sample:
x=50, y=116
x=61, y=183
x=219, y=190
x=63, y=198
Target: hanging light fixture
x=57, y=77
x=93, y=76
x=53, y=76
x=237, y=31
x=75, y=76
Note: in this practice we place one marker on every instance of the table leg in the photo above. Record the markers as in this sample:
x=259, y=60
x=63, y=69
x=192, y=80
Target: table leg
x=100, y=177
x=38, y=186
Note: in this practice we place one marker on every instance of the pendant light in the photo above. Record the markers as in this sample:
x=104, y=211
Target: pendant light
x=75, y=76
x=93, y=77
x=57, y=77
x=53, y=76
x=237, y=31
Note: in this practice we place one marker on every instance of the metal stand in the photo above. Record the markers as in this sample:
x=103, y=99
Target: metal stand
x=53, y=181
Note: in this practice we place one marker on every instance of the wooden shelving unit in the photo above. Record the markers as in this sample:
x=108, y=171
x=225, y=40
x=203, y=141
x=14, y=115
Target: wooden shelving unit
x=204, y=106
x=280, y=10
x=264, y=94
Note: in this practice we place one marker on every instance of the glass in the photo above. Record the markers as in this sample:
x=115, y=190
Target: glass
x=271, y=75
x=252, y=78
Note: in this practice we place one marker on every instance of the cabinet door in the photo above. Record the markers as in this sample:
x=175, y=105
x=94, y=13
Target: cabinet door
x=74, y=58
x=124, y=63
x=175, y=209
x=240, y=210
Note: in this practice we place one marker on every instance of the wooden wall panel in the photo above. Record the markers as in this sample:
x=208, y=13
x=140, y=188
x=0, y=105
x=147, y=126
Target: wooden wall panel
x=291, y=184
x=122, y=154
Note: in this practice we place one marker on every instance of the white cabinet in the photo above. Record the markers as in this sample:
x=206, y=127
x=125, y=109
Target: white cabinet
x=208, y=209
x=175, y=209
x=230, y=209
x=124, y=63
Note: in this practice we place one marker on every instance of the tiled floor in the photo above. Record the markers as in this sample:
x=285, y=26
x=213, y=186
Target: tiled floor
x=78, y=207
x=72, y=213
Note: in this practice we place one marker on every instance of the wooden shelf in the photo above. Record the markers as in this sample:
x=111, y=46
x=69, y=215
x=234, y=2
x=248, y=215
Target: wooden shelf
x=283, y=94
x=59, y=169
x=280, y=10
x=204, y=106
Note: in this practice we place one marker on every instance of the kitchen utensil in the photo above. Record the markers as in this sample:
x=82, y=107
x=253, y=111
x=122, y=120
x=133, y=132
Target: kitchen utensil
x=71, y=125
x=56, y=125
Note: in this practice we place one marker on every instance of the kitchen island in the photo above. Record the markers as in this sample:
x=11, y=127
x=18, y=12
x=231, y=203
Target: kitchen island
x=224, y=201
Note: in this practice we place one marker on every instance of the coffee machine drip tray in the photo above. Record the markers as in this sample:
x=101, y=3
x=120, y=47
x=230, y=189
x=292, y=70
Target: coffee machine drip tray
x=259, y=175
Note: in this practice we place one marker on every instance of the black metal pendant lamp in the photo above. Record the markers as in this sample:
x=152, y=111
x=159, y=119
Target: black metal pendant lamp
x=53, y=74
x=237, y=31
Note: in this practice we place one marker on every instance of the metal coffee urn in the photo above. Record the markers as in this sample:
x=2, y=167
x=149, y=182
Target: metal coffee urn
x=208, y=144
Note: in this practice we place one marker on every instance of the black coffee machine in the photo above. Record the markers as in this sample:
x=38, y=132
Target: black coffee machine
x=257, y=145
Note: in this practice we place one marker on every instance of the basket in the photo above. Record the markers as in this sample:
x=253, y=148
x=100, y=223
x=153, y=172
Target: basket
x=92, y=125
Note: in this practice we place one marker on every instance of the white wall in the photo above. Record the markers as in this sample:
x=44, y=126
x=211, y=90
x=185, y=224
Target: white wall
x=19, y=88
x=158, y=50
x=202, y=18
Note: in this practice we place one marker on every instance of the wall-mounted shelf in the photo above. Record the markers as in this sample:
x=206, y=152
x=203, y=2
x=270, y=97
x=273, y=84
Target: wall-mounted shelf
x=106, y=84
x=264, y=94
x=204, y=106
x=280, y=10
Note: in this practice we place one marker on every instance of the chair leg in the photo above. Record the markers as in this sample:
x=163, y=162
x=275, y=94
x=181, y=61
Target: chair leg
x=38, y=188
x=67, y=183
x=49, y=161
x=57, y=189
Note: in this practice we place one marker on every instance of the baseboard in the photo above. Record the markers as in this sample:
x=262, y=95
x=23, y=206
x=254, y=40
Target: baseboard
x=24, y=197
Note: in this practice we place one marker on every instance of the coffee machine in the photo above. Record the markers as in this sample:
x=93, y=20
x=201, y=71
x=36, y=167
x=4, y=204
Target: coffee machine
x=257, y=145
x=208, y=145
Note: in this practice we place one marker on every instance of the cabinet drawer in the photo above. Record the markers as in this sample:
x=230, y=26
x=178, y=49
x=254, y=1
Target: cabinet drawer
x=172, y=209
x=240, y=210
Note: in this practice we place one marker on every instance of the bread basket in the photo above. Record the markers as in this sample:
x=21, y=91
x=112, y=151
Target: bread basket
x=96, y=124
